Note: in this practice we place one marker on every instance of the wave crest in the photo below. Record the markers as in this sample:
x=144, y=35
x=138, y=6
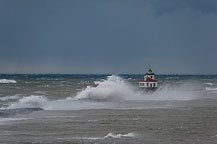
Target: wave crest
x=114, y=88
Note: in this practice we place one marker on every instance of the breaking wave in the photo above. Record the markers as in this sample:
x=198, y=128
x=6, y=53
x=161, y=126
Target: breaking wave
x=29, y=102
x=5, y=81
x=107, y=94
x=113, y=88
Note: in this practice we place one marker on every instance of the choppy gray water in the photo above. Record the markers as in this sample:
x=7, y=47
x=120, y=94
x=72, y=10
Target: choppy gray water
x=107, y=109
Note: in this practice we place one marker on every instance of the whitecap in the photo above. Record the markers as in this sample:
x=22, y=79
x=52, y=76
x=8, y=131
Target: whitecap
x=108, y=136
x=111, y=135
x=5, y=81
x=40, y=92
x=208, y=84
x=9, y=97
x=27, y=82
x=210, y=89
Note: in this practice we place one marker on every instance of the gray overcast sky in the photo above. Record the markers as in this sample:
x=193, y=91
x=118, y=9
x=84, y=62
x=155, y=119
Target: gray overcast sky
x=108, y=36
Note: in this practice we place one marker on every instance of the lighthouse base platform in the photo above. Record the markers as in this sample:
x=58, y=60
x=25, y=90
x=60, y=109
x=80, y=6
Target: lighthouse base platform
x=148, y=89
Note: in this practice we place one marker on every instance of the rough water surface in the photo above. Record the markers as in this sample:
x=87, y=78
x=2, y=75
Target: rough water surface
x=107, y=109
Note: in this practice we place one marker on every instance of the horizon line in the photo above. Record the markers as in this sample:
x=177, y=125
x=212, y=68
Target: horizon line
x=98, y=74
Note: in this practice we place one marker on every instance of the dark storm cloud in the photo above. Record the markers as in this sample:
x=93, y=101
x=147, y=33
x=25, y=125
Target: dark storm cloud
x=100, y=36
x=161, y=7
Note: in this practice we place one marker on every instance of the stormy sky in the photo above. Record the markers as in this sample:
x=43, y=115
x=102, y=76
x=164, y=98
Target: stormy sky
x=108, y=36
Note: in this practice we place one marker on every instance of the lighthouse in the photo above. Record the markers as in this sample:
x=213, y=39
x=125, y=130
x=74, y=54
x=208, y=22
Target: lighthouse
x=149, y=81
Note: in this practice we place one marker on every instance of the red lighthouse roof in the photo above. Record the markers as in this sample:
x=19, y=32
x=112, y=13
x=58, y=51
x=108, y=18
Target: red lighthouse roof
x=150, y=80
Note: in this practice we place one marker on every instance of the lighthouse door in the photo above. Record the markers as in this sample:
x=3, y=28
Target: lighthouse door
x=150, y=85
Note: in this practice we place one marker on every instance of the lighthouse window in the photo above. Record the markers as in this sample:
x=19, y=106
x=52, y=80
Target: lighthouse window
x=141, y=84
x=154, y=84
x=147, y=84
x=151, y=76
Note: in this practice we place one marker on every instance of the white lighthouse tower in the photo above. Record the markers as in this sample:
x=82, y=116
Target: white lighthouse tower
x=149, y=80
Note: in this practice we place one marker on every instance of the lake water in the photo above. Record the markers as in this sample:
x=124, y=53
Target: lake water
x=107, y=109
